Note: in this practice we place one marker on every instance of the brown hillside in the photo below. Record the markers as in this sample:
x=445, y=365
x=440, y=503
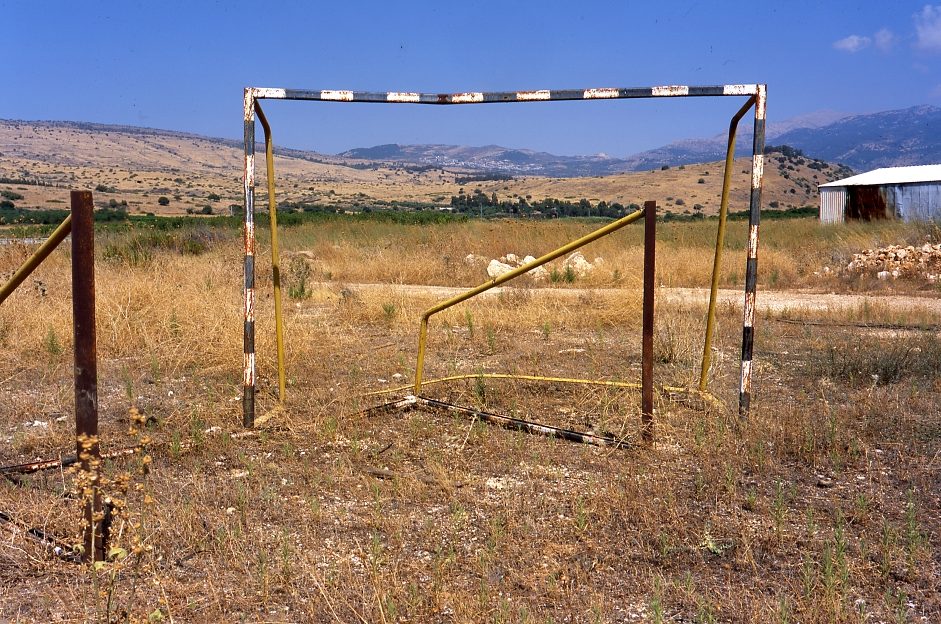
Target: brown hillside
x=141, y=167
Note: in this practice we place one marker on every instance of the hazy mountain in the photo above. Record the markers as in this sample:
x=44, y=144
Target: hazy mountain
x=490, y=158
x=903, y=137
x=892, y=138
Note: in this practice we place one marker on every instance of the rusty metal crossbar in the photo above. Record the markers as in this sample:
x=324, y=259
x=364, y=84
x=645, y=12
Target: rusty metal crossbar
x=757, y=98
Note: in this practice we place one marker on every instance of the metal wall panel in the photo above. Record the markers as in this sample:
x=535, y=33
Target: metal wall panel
x=832, y=204
x=915, y=202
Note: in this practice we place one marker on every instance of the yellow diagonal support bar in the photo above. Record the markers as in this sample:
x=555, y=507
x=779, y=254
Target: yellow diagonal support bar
x=549, y=257
x=275, y=254
x=720, y=243
x=36, y=259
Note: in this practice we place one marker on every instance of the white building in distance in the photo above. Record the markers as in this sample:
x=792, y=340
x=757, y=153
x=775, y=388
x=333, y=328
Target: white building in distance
x=907, y=193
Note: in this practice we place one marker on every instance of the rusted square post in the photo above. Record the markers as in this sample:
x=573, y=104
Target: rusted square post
x=650, y=257
x=86, y=368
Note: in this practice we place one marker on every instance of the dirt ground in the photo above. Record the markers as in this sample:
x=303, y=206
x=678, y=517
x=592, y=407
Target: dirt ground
x=821, y=506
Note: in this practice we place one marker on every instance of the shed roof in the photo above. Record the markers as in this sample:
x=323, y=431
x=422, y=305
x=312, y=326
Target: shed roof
x=891, y=175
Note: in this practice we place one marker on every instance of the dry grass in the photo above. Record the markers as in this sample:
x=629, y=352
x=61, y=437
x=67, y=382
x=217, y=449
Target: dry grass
x=819, y=508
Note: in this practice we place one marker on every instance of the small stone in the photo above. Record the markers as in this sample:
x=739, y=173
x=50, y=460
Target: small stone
x=496, y=268
x=824, y=482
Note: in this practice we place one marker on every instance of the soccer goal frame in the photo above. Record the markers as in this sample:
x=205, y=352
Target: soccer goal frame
x=756, y=98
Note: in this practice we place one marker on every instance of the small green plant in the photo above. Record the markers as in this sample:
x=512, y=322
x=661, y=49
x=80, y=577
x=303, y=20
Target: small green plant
x=51, y=344
x=491, y=339
x=480, y=390
x=546, y=330
x=389, y=311
x=298, y=274
x=779, y=508
x=469, y=322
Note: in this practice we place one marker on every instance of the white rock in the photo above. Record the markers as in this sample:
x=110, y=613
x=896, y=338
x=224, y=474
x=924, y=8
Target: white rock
x=883, y=275
x=539, y=274
x=577, y=263
x=598, y=261
x=496, y=268
x=895, y=274
x=528, y=259
x=474, y=259
x=511, y=258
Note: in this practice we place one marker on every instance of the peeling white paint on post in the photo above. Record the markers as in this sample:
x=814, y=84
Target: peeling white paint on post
x=531, y=96
x=669, y=91
x=248, y=375
x=601, y=94
x=268, y=93
x=337, y=96
x=248, y=329
x=751, y=262
x=745, y=387
x=403, y=97
x=742, y=89
x=467, y=98
x=749, y=309
x=757, y=170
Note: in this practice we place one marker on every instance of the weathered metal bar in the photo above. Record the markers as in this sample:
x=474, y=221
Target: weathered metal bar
x=484, y=97
x=650, y=267
x=56, y=546
x=275, y=254
x=751, y=265
x=86, y=365
x=57, y=236
x=720, y=244
x=248, y=332
x=518, y=424
x=62, y=462
x=561, y=251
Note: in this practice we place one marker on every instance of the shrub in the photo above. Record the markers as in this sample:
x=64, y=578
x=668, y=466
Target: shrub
x=101, y=188
x=163, y=201
x=11, y=195
x=213, y=197
x=701, y=181
x=664, y=167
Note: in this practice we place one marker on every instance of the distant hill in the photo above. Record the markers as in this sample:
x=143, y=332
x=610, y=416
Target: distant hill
x=911, y=136
x=892, y=138
x=490, y=158
x=164, y=172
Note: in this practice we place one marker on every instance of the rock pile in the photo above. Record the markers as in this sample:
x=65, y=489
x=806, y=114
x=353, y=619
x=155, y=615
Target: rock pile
x=896, y=261
x=575, y=263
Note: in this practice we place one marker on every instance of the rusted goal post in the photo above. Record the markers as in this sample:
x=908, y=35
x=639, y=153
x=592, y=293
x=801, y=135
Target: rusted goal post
x=756, y=95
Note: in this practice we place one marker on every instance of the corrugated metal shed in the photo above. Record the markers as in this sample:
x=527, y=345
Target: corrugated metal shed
x=908, y=193
x=891, y=175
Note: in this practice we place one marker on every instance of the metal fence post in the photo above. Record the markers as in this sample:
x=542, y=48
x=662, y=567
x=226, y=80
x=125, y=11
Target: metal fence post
x=86, y=366
x=751, y=263
x=650, y=257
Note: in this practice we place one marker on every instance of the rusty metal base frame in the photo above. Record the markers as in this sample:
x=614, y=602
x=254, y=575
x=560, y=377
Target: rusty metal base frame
x=507, y=422
x=756, y=95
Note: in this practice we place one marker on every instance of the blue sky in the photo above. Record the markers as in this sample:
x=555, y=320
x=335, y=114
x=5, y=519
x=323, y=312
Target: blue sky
x=183, y=65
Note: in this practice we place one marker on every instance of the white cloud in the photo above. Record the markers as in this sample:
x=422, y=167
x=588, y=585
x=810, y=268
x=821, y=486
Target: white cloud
x=928, y=28
x=884, y=40
x=852, y=44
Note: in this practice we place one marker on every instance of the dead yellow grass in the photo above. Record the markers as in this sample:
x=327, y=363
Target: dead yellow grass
x=821, y=499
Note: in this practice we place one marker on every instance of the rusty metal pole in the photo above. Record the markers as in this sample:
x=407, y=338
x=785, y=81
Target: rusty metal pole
x=650, y=258
x=86, y=366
